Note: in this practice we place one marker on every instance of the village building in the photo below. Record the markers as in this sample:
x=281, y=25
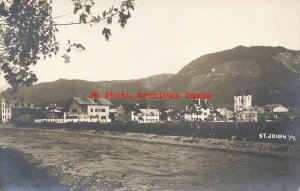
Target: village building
x=88, y=109
x=51, y=111
x=247, y=116
x=200, y=110
x=226, y=114
x=9, y=108
x=215, y=116
x=170, y=115
x=125, y=111
x=146, y=116
x=276, y=112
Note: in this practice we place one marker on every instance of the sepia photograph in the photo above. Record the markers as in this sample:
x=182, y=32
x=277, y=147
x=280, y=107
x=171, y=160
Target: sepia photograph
x=149, y=95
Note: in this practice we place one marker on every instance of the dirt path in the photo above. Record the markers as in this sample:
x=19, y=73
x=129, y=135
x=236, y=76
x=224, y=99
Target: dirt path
x=18, y=174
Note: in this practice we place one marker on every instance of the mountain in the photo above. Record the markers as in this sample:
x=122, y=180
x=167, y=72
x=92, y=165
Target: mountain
x=62, y=89
x=270, y=74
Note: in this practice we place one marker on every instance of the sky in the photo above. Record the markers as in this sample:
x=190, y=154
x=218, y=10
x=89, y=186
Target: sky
x=165, y=35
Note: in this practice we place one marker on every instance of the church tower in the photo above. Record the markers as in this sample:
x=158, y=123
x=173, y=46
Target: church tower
x=247, y=102
x=238, y=103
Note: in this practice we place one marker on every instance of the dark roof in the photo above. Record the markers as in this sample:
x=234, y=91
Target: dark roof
x=84, y=101
x=89, y=101
x=103, y=101
x=133, y=106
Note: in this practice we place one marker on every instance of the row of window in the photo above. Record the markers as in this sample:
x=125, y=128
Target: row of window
x=149, y=115
x=17, y=104
x=152, y=120
x=98, y=110
x=247, y=115
x=7, y=110
x=5, y=117
x=92, y=110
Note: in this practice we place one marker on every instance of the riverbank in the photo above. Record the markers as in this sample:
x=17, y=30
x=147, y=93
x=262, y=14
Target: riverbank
x=271, y=149
x=19, y=172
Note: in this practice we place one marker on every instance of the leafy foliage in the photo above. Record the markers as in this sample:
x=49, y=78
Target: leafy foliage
x=28, y=33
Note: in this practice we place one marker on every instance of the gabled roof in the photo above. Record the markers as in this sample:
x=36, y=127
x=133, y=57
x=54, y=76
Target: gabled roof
x=273, y=105
x=89, y=101
x=149, y=111
x=84, y=101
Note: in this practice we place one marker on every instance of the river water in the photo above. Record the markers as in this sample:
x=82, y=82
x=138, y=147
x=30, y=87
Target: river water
x=185, y=168
x=156, y=166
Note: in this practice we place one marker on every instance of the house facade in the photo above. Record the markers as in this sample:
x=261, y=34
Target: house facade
x=88, y=109
x=146, y=116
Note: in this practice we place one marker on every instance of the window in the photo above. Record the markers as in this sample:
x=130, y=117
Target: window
x=92, y=110
x=102, y=110
x=96, y=110
x=74, y=110
x=22, y=104
x=103, y=117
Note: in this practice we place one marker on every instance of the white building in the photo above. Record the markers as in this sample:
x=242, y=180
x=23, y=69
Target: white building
x=276, y=112
x=8, y=106
x=6, y=111
x=276, y=108
x=88, y=109
x=146, y=116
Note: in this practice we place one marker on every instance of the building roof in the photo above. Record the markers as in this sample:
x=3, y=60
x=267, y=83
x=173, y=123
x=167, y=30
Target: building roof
x=273, y=105
x=133, y=106
x=149, y=111
x=89, y=101
x=103, y=101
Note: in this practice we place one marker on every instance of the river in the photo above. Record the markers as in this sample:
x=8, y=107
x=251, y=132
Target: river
x=158, y=166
